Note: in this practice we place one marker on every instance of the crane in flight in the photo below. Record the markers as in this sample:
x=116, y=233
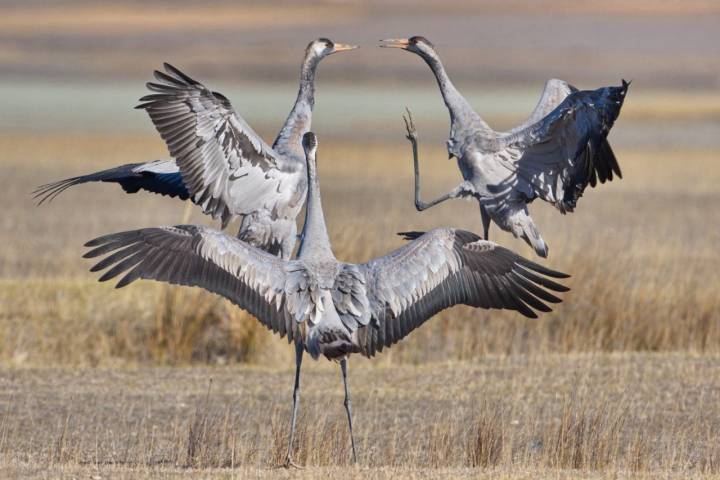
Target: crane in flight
x=554, y=155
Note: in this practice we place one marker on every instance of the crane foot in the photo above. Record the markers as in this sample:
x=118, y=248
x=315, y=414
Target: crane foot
x=410, y=126
x=289, y=463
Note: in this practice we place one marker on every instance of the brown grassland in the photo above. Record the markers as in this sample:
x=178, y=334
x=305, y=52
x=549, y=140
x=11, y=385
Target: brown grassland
x=620, y=380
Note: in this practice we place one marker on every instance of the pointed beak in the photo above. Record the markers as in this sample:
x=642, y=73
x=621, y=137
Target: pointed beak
x=342, y=47
x=395, y=43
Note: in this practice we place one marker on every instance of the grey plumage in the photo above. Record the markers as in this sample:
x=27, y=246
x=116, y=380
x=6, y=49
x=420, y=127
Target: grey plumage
x=219, y=161
x=325, y=306
x=554, y=155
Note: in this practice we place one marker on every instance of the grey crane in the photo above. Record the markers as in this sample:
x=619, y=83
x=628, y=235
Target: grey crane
x=325, y=306
x=554, y=155
x=219, y=162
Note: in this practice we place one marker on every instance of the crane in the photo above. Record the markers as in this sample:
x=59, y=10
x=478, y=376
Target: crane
x=554, y=155
x=219, y=162
x=325, y=306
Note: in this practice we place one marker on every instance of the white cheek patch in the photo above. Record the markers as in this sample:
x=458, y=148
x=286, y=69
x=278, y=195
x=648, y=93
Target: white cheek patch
x=318, y=48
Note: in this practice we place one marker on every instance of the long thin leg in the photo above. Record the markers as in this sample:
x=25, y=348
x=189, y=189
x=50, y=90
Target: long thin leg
x=348, y=406
x=299, y=350
x=419, y=204
x=485, y=222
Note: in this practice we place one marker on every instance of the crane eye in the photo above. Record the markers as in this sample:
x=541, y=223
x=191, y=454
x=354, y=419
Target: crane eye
x=327, y=42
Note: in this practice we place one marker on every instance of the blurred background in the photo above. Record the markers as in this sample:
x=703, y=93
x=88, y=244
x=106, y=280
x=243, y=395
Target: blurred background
x=642, y=250
x=80, y=66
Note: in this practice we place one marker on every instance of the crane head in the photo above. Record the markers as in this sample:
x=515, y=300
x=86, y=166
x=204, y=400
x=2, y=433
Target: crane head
x=416, y=44
x=323, y=47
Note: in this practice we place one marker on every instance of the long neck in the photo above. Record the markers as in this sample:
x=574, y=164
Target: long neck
x=460, y=110
x=315, y=240
x=299, y=120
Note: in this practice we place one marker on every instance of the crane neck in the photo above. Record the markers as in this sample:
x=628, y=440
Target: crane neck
x=299, y=121
x=461, y=112
x=315, y=244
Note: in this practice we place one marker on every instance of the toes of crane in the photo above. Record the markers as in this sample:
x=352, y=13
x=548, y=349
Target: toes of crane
x=409, y=125
x=289, y=463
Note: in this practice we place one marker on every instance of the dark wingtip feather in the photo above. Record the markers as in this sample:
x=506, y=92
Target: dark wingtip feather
x=107, y=276
x=106, y=238
x=95, y=242
x=109, y=242
x=533, y=288
x=124, y=265
x=544, y=270
x=527, y=313
x=48, y=192
x=167, y=79
x=126, y=280
x=176, y=72
x=96, y=252
x=532, y=275
x=152, y=97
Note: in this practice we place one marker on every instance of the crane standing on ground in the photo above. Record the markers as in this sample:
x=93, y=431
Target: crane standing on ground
x=325, y=306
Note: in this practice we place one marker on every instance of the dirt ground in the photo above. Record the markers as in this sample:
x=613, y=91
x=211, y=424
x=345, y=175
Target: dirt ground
x=559, y=415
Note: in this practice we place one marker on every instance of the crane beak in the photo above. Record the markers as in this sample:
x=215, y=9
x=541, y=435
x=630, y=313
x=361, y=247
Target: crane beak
x=395, y=43
x=342, y=47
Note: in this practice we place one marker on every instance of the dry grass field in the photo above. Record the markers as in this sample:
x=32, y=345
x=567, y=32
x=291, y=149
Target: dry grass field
x=620, y=381
x=641, y=251
x=548, y=416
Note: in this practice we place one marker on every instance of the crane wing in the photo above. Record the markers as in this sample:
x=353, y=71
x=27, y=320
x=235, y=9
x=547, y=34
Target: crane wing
x=198, y=256
x=157, y=176
x=227, y=168
x=567, y=150
x=446, y=267
x=553, y=94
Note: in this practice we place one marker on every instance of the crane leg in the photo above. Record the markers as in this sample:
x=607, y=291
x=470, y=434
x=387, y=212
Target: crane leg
x=485, y=222
x=419, y=204
x=348, y=406
x=299, y=350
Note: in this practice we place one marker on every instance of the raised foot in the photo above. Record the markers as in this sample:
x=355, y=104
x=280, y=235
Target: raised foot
x=410, y=126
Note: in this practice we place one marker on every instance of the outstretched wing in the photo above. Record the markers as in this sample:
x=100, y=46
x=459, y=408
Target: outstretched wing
x=553, y=94
x=158, y=176
x=567, y=150
x=198, y=256
x=227, y=168
x=446, y=267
